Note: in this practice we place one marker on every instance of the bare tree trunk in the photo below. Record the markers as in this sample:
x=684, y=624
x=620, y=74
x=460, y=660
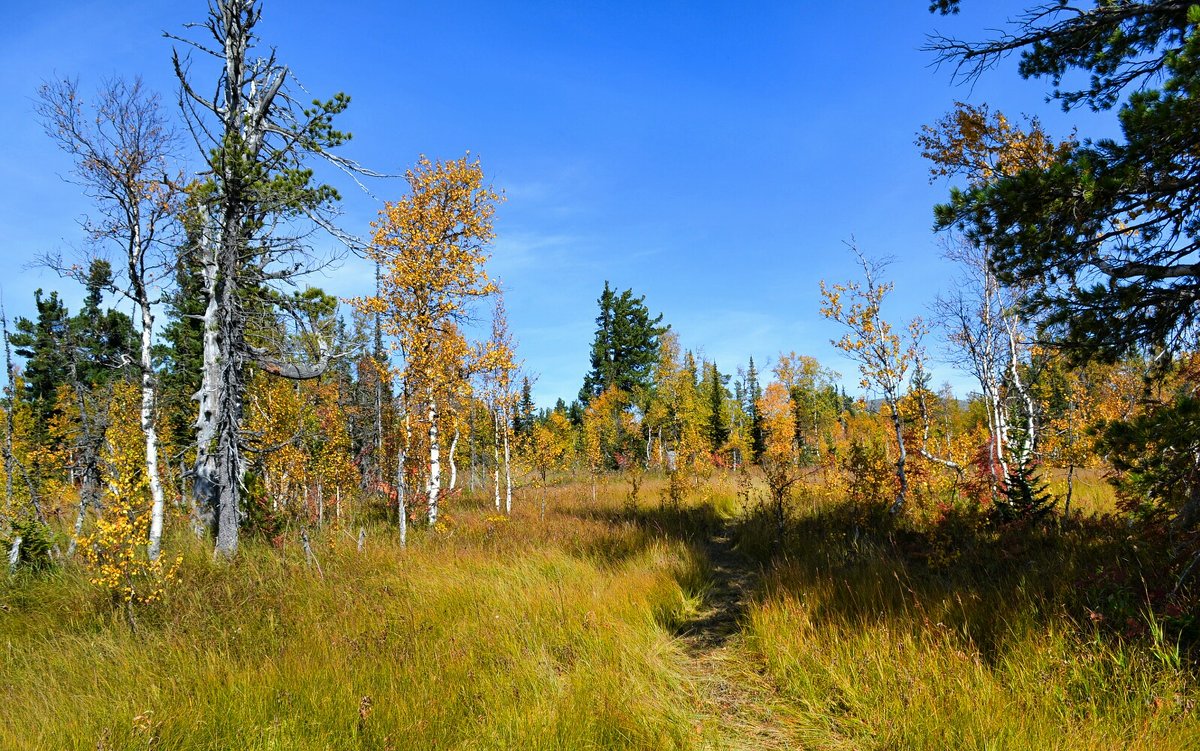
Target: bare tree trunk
x=89, y=443
x=77, y=531
x=997, y=447
x=204, y=479
x=472, y=443
x=14, y=554
x=378, y=469
x=507, y=466
x=230, y=388
x=147, y=418
x=309, y=555
x=901, y=457
x=496, y=455
x=402, y=480
x=433, y=483
x=453, y=463
x=11, y=397
x=1029, y=439
x=1070, y=491
x=254, y=129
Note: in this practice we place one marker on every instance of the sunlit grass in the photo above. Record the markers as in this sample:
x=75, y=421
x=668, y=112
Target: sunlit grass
x=891, y=637
x=559, y=630
x=489, y=634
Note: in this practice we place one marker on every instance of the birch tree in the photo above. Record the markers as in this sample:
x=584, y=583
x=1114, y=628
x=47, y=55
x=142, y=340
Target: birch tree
x=884, y=356
x=980, y=315
x=123, y=147
x=498, y=366
x=432, y=248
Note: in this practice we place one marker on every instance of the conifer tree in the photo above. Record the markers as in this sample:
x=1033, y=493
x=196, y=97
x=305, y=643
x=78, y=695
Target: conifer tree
x=625, y=347
x=752, y=396
x=717, y=426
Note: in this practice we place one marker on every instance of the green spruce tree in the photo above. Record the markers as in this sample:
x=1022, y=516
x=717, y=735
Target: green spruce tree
x=625, y=347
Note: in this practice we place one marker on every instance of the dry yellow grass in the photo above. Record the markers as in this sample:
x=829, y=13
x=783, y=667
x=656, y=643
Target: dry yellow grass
x=564, y=632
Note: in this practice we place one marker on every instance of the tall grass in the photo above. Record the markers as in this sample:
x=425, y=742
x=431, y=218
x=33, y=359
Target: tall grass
x=489, y=634
x=559, y=632
x=893, y=635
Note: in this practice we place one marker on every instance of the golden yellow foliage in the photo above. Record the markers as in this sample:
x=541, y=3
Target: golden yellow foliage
x=115, y=550
x=975, y=142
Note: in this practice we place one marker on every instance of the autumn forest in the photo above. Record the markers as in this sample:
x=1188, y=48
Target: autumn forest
x=241, y=511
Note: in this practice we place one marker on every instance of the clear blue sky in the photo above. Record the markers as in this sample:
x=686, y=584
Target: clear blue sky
x=712, y=156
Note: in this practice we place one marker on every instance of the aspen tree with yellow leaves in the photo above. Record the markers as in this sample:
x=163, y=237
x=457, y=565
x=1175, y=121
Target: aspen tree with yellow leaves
x=116, y=550
x=779, y=458
x=883, y=355
x=432, y=249
x=497, y=368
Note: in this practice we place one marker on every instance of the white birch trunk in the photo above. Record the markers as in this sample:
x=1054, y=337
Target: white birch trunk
x=507, y=466
x=14, y=554
x=496, y=456
x=402, y=482
x=73, y=543
x=8, y=416
x=1029, y=440
x=453, y=463
x=149, y=431
x=893, y=401
x=433, y=484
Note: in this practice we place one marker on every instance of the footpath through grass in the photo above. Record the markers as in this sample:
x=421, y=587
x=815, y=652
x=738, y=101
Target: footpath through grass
x=603, y=625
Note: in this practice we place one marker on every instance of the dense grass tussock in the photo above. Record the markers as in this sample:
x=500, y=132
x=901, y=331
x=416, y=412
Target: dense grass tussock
x=490, y=634
x=918, y=634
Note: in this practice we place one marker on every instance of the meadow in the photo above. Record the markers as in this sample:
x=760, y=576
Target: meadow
x=623, y=622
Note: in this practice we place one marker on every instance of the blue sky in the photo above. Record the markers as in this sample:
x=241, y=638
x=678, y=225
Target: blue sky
x=714, y=157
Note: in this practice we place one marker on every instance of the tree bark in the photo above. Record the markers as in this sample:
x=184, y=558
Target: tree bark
x=496, y=455
x=901, y=456
x=147, y=416
x=507, y=466
x=204, y=478
x=453, y=463
x=433, y=483
x=402, y=480
x=8, y=416
x=14, y=554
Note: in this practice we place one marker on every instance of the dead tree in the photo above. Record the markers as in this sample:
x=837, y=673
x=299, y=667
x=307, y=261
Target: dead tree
x=256, y=138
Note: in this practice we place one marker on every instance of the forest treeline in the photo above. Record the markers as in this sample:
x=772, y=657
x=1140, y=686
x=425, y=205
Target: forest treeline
x=259, y=405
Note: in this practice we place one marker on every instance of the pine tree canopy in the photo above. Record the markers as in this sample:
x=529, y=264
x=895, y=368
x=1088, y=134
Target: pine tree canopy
x=1106, y=239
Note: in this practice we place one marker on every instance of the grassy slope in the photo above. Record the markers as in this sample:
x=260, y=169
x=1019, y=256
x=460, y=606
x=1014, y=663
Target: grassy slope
x=560, y=634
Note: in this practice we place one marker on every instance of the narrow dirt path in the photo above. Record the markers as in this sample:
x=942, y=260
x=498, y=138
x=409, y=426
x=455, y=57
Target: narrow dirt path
x=741, y=708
